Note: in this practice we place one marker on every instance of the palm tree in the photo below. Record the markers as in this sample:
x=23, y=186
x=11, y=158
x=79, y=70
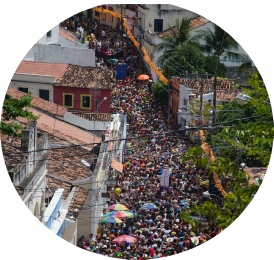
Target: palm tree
x=180, y=36
x=219, y=43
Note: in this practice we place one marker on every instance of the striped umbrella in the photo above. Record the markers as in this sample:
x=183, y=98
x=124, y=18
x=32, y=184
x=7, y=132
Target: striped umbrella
x=109, y=219
x=120, y=214
x=117, y=207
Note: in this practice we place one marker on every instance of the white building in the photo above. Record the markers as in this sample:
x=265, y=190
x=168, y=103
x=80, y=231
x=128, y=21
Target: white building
x=28, y=170
x=61, y=46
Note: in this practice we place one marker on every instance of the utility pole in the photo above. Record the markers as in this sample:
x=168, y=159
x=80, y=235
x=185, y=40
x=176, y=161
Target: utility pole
x=201, y=109
x=169, y=101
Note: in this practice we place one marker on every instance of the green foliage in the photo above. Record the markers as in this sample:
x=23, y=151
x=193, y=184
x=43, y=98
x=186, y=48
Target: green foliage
x=12, y=109
x=196, y=156
x=210, y=66
x=160, y=92
x=219, y=43
x=251, y=138
x=180, y=36
x=183, y=58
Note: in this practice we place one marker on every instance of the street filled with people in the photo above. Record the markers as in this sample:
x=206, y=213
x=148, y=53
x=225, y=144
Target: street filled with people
x=155, y=186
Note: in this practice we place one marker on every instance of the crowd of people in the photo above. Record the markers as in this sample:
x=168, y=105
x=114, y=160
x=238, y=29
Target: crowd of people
x=151, y=148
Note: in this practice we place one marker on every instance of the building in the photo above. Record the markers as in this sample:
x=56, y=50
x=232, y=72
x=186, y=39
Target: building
x=186, y=98
x=25, y=160
x=78, y=88
x=60, y=45
x=66, y=147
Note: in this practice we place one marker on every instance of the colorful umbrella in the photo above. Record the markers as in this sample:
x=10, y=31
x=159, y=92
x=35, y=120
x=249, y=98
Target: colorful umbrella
x=143, y=77
x=125, y=238
x=110, y=220
x=120, y=214
x=117, y=207
x=148, y=206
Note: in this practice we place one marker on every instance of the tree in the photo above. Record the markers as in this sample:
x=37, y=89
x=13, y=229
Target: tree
x=219, y=43
x=13, y=109
x=211, y=64
x=184, y=58
x=180, y=36
x=160, y=92
x=250, y=139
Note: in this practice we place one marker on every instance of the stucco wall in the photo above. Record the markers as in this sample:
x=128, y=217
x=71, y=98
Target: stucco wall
x=34, y=83
x=60, y=54
x=103, y=108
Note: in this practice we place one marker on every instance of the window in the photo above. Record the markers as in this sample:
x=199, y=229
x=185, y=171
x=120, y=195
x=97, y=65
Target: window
x=110, y=16
x=44, y=94
x=104, y=15
x=68, y=100
x=158, y=25
x=49, y=34
x=26, y=90
x=85, y=101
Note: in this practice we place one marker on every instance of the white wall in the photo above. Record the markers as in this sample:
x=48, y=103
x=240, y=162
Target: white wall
x=84, y=123
x=60, y=54
x=53, y=39
x=34, y=83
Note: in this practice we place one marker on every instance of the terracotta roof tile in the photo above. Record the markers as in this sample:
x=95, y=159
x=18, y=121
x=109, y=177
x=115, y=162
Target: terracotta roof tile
x=84, y=77
x=42, y=68
x=67, y=35
x=195, y=23
x=225, y=91
x=40, y=103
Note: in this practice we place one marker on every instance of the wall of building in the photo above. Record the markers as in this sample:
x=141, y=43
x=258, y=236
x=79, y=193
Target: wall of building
x=60, y=54
x=53, y=38
x=84, y=123
x=34, y=83
x=77, y=92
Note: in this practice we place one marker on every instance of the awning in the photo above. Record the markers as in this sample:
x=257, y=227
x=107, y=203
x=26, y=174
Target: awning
x=117, y=165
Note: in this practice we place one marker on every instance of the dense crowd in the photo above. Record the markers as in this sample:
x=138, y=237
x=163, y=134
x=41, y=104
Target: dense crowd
x=151, y=148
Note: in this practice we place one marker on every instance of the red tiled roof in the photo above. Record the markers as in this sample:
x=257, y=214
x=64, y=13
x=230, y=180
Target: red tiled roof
x=56, y=70
x=225, y=91
x=195, y=23
x=83, y=77
x=67, y=34
x=40, y=103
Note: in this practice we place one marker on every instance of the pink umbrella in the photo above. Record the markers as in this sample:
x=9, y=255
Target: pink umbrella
x=125, y=238
x=117, y=207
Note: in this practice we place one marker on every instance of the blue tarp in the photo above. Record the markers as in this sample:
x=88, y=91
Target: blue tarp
x=121, y=71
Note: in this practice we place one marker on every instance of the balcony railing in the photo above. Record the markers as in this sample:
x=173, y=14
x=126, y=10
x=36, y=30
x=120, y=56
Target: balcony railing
x=105, y=117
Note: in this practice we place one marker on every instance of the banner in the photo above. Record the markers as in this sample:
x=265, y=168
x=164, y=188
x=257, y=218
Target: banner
x=99, y=54
x=135, y=42
x=164, y=181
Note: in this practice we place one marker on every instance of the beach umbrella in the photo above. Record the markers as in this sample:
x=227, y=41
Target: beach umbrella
x=148, y=206
x=117, y=207
x=120, y=214
x=143, y=77
x=125, y=238
x=109, y=219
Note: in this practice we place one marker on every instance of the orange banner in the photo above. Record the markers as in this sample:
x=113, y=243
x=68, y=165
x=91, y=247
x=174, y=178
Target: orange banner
x=136, y=43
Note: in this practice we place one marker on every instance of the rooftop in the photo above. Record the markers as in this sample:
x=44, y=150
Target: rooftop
x=225, y=90
x=84, y=77
x=56, y=70
x=68, y=35
x=67, y=75
x=67, y=145
x=195, y=23
x=39, y=103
